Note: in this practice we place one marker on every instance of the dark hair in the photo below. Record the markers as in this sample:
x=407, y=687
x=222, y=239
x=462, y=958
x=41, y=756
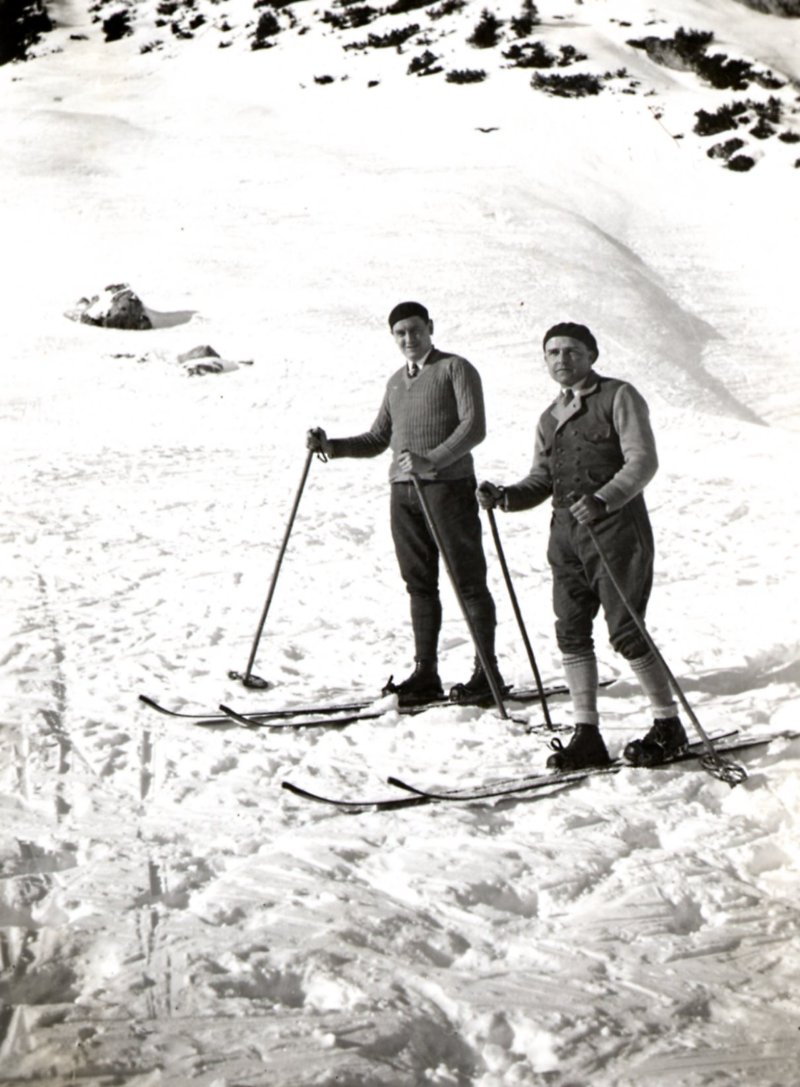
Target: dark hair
x=407, y=309
x=575, y=331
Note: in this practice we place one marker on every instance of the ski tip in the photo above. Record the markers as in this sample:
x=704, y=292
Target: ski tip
x=297, y=790
x=234, y=715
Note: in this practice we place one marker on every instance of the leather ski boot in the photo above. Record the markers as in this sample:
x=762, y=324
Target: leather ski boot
x=423, y=685
x=666, y=739
x=477, y=687
x=585, y=748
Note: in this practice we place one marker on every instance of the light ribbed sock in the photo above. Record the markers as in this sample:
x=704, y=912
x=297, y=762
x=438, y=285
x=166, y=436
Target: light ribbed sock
x=580, y=671
x=654, y=681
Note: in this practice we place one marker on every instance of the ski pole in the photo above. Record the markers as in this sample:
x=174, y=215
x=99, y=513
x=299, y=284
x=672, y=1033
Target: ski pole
x=485, y=663
x=248, y=679
x=729, y=772
x=520, y=622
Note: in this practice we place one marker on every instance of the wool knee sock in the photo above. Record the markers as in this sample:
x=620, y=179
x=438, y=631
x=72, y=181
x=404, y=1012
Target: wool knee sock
x=580, y=670
x=654, y=681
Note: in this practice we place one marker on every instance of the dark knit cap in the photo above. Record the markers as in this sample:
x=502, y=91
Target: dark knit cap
x=576, y=332
x=407, y=309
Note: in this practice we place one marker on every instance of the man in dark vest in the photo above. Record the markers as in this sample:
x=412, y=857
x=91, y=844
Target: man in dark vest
x=432, y=416
x=594, y=454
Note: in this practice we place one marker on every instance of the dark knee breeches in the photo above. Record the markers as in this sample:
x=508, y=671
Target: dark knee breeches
x=581, y=586
x=454, y=511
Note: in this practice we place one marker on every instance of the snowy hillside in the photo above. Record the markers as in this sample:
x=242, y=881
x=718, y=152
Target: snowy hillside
x=168, y=913
x=718, y=79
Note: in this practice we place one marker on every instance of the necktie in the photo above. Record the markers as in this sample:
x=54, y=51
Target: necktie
x=569, y=396
x=413, y=369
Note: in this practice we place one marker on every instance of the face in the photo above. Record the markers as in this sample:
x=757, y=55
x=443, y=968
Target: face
x=413, y=336
x=568, y=360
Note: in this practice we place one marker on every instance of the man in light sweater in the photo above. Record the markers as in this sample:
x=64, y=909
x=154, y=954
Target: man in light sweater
x=432, y=416
x=594, y=454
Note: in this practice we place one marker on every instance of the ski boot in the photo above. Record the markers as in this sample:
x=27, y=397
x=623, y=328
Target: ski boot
x=477, y=687
x=586, y=748
x=423, y=685
x=666, y=739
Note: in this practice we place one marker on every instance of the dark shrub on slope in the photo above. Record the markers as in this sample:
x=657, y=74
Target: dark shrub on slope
x=22, y=23
x=401, y=6
x=358, y=15
x=117, y=25
x=725, y=149
x=567, y=86
x=523, y=24
x=722, y=120
x=449, y=7
x=723, y=73
x=466, y=75
x=530, y=55
x=487, y=31
x=741, y=112
x=681, y=51
x=393, y=40
x=425, y=64
x=686, y=51
x=268, y=26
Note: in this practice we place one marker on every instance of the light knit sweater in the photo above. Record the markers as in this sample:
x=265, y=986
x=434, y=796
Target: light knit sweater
x=439, y=415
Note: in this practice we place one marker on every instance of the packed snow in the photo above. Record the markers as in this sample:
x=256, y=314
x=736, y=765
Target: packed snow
x=168, y=913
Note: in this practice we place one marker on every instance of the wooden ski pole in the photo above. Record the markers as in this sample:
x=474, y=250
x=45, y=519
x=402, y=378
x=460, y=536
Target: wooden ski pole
x=729, y=772
x=520, y=621
x=485, y=663
x=247, y=678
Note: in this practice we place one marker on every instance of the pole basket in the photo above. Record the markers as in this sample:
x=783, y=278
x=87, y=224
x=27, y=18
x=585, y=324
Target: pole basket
x=730, y=772
x=255, y=683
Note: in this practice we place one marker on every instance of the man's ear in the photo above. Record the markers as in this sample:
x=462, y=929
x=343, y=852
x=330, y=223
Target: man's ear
x=430, y=327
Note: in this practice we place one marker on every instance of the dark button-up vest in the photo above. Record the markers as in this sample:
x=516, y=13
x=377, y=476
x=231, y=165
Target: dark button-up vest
x=584, y=449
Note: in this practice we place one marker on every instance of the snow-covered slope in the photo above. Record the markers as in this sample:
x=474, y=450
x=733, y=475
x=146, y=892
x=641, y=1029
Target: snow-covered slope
x=167, y=913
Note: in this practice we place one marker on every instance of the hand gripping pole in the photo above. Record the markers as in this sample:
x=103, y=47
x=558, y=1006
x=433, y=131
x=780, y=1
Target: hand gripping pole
x=485, y=663
x=247, y=678
x=723, y=769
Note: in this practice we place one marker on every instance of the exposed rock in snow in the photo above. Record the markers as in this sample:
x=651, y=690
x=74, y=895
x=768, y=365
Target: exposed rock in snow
x=117, y=306
x=205, y=360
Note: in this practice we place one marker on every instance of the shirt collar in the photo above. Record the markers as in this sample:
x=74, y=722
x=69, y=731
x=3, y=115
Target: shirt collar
x=423, y=360
x=561, y=410
x=585, y=386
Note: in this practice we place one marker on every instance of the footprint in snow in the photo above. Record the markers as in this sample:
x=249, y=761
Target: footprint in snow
x=221, y=767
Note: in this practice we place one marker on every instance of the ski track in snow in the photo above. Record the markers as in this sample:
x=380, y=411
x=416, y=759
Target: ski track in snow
x=170, y=915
